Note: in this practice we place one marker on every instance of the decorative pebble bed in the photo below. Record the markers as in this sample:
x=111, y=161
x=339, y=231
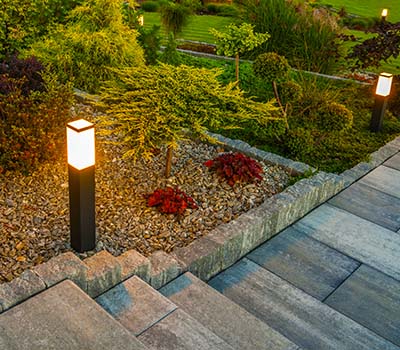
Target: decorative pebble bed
x=34, y=214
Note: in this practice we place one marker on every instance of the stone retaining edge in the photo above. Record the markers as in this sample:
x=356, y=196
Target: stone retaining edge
x=208, y=255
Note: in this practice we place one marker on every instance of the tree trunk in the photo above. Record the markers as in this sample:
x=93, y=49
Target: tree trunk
x=237, y=67
x=168, y=163
x=278, y=100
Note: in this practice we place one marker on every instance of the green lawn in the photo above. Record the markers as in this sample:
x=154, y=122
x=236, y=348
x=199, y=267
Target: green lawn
x=368, y=8
x=371, y=8
x=197, y=28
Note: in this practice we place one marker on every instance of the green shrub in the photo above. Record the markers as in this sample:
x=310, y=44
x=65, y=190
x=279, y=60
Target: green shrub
x=150, y=41
x=23, y=22
x=334, y=116
x=94, y=40
x=150, y=6
x=170, y=55
x=174, y=17
x=306, y=37
x=32, y=126
x=271, y=67
x=290, y=91
x=152, y=106
x=225, y=10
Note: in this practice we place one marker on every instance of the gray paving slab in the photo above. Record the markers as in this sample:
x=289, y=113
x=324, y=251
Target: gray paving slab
x=179, y=331
x=306, y=263
x=63, y=317
x=371, y=204
x=384, y=179
x=355, y=237
x=223, y=317
x=135, y=304
x=393, y=162
x=373, y=300
x=298, y=316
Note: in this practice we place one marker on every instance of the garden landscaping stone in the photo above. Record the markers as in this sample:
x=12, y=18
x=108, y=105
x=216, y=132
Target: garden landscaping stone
x=306, y=263
x=226, y=319
x=363, y=240
x=19, y=289
x=384, y=179
x=104, y=272
x=63, y=317
x=61, y=267
x=393, y=162
x=134, y=263
x=372, y=299
x=135, y=305
x=370, y=204
x=163, y=268
x=299, y=317
x=179, y=331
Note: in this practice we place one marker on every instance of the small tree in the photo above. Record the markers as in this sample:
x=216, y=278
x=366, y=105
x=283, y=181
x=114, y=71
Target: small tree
x=153, y=106
x=237, y=40
x=383, y=46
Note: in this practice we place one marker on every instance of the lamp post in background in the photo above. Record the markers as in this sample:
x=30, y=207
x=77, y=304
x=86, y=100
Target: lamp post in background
x=141, y=20
x=81, y=164
x=384, y=15
x=382, y=92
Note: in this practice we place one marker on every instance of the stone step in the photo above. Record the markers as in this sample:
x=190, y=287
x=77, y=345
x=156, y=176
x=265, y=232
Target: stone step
x=223, y=317
x=157, y=321
x=370, y=204
x=304, y=262
x=372, y=299
x=356, y=237
x=63, y=317
x=301, y=318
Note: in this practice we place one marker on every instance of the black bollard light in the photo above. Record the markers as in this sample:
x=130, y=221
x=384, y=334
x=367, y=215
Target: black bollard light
x=382, y=92
x=81, y=164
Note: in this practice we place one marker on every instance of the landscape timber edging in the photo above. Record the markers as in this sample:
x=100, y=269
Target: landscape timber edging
x=208, y=255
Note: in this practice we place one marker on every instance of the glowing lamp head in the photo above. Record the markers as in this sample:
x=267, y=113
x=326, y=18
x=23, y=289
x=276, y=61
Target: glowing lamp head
x=384, y=84
x=141, y=20
x=80, y=144
x=384, y=13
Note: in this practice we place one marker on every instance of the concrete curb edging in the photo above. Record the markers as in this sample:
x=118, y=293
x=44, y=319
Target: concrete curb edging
x=208, y=255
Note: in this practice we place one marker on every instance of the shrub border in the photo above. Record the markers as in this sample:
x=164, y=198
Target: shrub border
x=208, y=255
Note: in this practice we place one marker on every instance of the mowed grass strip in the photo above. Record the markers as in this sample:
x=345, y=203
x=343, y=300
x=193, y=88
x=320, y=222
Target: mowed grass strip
x=197, y=29
x=368, y=8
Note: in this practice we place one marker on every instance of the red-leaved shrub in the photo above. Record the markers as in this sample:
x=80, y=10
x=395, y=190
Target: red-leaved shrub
x=236, y=167
x=170, y=200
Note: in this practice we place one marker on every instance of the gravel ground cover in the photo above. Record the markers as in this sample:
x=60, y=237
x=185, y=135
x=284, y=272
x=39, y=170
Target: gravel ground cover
x=34, y=214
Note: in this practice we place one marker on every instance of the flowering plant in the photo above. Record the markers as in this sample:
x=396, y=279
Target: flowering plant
x=170, y=200
x=236, y=167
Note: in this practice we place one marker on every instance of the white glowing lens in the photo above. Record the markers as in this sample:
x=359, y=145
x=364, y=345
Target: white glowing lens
x=80, y=144
x=384, y=84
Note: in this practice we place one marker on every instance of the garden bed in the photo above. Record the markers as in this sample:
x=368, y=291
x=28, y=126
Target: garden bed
x=34, y=213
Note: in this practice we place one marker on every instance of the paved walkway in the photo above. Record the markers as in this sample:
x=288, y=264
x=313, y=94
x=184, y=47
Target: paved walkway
x=330, y=281
x=336, y=269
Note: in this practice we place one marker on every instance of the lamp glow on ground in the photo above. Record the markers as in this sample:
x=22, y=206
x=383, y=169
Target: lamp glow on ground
x=381, y=94
x=81, y=164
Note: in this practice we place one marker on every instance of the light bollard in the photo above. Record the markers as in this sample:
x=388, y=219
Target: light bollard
x=382, y=92
x=81, y=165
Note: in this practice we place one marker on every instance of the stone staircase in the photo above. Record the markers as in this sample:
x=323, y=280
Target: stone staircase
x=245, y=307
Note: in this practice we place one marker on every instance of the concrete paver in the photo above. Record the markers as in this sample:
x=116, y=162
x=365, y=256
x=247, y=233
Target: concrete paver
x=63, y=317
x=373, y=300
x=301, y=318
x=229, y=321
x=370, y=204
x=304, y=262
x=358, y=238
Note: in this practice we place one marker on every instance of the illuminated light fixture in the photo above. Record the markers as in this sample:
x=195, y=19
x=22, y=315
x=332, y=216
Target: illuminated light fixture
x=81, y=165
x=381, y=94
x=384, y=84
x=384, y=14
x=141, y=20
